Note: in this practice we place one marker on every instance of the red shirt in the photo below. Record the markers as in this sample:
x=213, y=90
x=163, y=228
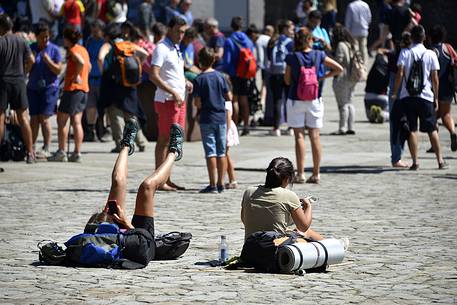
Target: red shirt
x=72, y=11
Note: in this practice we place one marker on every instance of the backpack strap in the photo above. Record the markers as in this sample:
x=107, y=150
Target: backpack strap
x=236, y=43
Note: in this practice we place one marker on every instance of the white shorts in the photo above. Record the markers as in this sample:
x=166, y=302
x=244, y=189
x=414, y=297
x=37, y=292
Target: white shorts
x=307, y=114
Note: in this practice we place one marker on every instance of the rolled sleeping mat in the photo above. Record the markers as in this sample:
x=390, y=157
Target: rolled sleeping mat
x=302, y=256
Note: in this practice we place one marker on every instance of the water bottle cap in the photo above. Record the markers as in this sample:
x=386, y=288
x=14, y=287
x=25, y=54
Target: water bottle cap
x=222, y=236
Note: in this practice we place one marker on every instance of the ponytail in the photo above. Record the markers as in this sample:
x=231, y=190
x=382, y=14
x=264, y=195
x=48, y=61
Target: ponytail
x=279, y=169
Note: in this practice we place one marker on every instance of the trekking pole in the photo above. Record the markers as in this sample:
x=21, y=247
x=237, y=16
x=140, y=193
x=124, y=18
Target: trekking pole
x=68, y=139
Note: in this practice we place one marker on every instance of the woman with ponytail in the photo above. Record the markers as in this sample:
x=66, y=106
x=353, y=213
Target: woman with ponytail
x=273, y=207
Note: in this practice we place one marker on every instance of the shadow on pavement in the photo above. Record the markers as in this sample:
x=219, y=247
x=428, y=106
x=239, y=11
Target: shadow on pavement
x=343, y=169
x=447, y=176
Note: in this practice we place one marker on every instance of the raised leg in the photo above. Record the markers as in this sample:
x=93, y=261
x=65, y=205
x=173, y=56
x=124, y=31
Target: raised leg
x=118, y=188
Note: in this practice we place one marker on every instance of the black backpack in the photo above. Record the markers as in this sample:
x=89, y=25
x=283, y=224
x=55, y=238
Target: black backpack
x=171, y=245
x=12, y=146
x=415, y=81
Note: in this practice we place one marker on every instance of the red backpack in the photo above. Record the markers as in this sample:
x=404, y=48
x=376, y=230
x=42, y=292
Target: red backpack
x=308, y=85
x=246, y=66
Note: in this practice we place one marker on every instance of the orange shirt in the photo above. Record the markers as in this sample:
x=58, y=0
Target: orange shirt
x=70, y=74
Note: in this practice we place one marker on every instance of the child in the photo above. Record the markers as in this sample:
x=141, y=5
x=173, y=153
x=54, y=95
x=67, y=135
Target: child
x=232, y=140
x=210, y=93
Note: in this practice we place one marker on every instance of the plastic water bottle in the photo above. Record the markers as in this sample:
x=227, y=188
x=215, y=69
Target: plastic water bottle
x=223, y=250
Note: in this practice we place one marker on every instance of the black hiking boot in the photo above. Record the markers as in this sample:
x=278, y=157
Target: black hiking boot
x=130, y=131
x=176, y=141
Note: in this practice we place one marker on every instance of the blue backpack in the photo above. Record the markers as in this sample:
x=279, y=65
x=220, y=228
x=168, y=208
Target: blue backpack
x=278, y=56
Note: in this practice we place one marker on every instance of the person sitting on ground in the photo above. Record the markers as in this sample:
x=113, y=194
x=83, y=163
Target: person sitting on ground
x=210, y=93
x=272, y=207
x=376, y=99
x=139, y=248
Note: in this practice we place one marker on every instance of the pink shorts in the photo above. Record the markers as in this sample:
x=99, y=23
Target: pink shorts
x=169, y=113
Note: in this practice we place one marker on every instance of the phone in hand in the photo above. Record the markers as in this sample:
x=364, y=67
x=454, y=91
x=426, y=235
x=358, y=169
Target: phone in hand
x=112, y=207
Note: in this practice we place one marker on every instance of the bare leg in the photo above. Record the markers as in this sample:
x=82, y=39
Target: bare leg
x=35, y=126
x=412, y=144
x=23, y=117
x=144, y=205
x=435, y=141
x=299, y=134
x=46, y=130
x=2, y=124
x=211, y=165
x=243, y=101
x=230, y=168
x=221, y=169
x=236, y=109
x=446, y=117
x=62, y=129
x=78, y=133
x=91, y=115
x=119, y=178
x=315, y=138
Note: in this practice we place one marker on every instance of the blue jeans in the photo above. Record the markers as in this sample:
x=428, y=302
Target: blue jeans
x=214, y=139
x=396, y=145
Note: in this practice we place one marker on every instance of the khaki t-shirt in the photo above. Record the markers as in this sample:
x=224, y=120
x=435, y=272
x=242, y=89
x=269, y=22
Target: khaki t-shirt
x=265, y=209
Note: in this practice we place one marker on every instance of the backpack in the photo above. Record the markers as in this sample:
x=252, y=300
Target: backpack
x=278, y=56
x=254, y=99
x=308, y=85
x=12, y=146
x=126, y=68
x=357, y=69
x=171, y=245
x=246, y=66
x=51, y=253
x=452, y=67
x=415, y=81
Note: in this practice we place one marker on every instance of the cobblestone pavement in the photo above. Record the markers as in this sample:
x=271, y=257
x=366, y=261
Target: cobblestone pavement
x=401, y=225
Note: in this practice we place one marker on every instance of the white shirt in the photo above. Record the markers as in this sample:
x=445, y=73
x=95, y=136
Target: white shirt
x=40, y=10
x=261, y=46
x=168, y=57
x=430, y=63
x=358, y=18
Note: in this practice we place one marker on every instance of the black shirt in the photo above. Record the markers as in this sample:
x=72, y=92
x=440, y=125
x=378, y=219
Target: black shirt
x=398, y=18
x=13, y=52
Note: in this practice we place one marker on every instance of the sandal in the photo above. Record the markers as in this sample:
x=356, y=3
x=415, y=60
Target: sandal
x=313, y=180
x=231, y=185
x=414, y=167
x=300, y=179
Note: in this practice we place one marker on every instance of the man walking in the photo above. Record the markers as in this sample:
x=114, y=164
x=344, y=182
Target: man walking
x=16, y=59
x=419, y=101
x=357, y=21
x=167, y=73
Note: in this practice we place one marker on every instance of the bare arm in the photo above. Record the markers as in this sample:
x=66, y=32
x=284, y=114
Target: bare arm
x=287, y=76
x=55, y=68
x=141, y=53
x=197, y=102
x=303, y=216
x=397, y=84
x=219, y=53
x=29, y=61
x=435, y=86
x=228, y=96
x=79, y=60
x=335, y=68
x=104, y=50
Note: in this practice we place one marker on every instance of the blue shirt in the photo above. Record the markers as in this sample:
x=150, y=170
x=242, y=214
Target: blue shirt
x=188, y=52
x=93, y=47
x=40, y=70
x=215, y=42
x=211, y=87
x=319, y=32
x=311, y=58
x=232, y=51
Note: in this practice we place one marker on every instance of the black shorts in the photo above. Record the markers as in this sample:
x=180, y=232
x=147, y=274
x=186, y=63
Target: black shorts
x=418, y=108
x=139, y=243
x=13, y=93
x=240, y=85
x=73, y=102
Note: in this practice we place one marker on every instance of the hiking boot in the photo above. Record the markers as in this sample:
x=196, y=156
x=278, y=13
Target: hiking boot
x=209, y=190
x=58, y=156
x=454, y=142
x=75, y=157
x=30, y=159
x=130, y=131
x=176, y=141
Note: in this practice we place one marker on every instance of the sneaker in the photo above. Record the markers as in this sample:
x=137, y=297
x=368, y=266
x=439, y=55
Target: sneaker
x=414, y=167
x=275, y=132
x=245, y=132
x=30, y=159
x=43, y=154
x=430, y=151
x=454, y=142
x=130, y=131
x=141, y=148
x=345, y=243
x=372, y=114
x=58, y=156
x=75, y=157
x=379, y=118
x=231, y=185
x=176, y=141
x=116, y=150
x=89, y=136
x=350, y=132
x=220, y=188
x=209, y=190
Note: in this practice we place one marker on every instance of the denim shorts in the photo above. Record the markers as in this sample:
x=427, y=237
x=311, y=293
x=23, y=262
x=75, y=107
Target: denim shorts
x=214, y=139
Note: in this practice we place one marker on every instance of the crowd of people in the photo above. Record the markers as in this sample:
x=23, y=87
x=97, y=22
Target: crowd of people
x=101, y=63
